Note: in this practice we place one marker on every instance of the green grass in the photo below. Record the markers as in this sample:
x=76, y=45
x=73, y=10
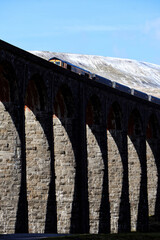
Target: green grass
x=153, y=234
x=124, y=236
x=154, y=226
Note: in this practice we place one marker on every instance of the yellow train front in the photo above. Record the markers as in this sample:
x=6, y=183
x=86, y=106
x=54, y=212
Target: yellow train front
x=70, y=67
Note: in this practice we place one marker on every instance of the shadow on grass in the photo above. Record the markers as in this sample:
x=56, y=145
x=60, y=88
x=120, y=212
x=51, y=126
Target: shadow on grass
x=154, y=225
x=121, y=236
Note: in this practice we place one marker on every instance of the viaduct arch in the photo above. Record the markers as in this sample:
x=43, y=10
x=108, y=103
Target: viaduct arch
x=76, y=156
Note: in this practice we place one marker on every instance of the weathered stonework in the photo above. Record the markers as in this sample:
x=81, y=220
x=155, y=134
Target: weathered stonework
x=76, y=156
x=64, y=172
x=38, y=172
x=115, y=174
x=152, y=180
x=10, y=170
x=95, y=177
x=134, y=170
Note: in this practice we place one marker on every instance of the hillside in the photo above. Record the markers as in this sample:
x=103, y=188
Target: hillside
x=142, y=76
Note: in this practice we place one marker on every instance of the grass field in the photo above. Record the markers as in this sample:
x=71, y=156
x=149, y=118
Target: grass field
x=124, y=236
x=153, y=234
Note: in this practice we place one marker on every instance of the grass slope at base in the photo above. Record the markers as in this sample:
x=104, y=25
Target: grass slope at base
x=124, y=236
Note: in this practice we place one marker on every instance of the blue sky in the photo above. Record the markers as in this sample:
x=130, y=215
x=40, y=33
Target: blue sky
x=113, y=28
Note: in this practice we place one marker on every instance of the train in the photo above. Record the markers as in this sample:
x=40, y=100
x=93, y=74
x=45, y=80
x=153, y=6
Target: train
x=70, y=67
x=80, y=71
x=102, y=80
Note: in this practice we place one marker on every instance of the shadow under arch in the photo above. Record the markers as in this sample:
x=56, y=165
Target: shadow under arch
x=153, y=166
x=9, y=91
x=67, y=162
x=119, y=137
x=39, y=158
x=137, y=170
x=36, y=95
x=10, y=98
x=64, y=104
x=99, y=208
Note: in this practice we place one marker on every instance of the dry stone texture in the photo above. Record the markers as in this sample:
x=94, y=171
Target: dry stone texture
x=65, y=173
x=10, y=171
x=115, y=173
x=68, y=163
x=38, y=172
x=95, y=178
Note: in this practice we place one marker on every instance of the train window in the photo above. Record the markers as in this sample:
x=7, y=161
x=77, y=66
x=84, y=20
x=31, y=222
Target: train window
x=68, y=67
x=58, y=63
x=87, y=75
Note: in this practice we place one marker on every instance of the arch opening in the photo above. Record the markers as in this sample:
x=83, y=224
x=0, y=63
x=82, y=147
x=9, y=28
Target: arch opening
x=137, y=167
x=152, y=130
x=153, y=167
x=93, y=111
x=10, y=148
x=35, y=99
x=5, y=88
x=65, y=156
x=135, y=124
x=63, y=104
x=117, y=172
x=115, y=117
x=38, y=153
x=95, y=134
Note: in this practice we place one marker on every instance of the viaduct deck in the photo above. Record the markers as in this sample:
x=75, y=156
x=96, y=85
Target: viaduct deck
x=76, y=155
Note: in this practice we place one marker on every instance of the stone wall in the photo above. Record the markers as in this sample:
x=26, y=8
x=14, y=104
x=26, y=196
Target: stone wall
x=37, y=172
x=65, y=173
x=76, y=156
x=134, y=170
x=115, y=171
x=10, y=170
x=95, y=177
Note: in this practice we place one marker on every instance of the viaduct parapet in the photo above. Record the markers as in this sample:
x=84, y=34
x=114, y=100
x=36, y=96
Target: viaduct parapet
x=76, y=156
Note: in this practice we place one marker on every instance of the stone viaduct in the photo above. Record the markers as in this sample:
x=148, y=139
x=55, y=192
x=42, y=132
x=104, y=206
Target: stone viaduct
x=76, y=156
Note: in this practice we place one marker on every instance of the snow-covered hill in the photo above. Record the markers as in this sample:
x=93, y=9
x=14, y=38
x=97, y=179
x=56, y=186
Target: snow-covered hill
x=142, y=76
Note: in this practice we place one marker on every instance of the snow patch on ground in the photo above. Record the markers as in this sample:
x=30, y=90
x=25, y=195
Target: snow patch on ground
x=142, y=76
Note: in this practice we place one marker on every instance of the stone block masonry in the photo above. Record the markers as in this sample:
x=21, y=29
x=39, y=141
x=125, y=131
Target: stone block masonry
x=76, y=156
